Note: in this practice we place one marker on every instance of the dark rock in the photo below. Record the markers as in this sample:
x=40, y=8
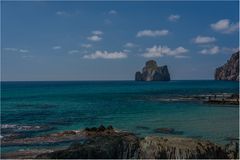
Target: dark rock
x=152, y=72
x=179, y=148
x=138, y=76
x=113, y=146
x=230, y=70
x=100, y=143
x=101, y=128
x=110, y=127
x=232, y=150
x=168, y=131
x=126, y=145
x=142, y=127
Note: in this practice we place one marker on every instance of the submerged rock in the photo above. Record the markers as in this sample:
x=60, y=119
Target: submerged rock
x=167, y=131
x=230, y=70
x=142, y=127
x=152, y=72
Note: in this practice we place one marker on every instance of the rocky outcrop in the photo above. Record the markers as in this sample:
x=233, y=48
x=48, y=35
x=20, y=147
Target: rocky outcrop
x=232, y=150
x=108, y=143
x=152, y=72
x=230, y=70
x=115, y=145
x=179, y=148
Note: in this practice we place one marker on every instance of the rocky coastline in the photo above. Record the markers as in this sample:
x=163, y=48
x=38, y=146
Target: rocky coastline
x=108, y=143
x=221, y=99
x=230, y=70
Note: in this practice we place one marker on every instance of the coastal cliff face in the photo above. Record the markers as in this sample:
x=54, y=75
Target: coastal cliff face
x=230, y=70
x=152, y=72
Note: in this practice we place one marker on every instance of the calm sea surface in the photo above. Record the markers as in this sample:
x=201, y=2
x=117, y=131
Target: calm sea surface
x=139, y=107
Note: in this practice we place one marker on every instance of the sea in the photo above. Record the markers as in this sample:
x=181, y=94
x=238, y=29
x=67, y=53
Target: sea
x=138, y=107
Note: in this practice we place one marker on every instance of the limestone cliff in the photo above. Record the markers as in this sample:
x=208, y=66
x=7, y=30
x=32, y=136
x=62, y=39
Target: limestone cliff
x=153, y=72
x=230, y=70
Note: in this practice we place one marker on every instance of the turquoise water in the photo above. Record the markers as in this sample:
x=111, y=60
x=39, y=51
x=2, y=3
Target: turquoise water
x=123, y=104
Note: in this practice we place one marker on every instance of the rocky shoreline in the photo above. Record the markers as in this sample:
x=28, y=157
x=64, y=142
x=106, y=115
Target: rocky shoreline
x=107, y=142
x=217, y=98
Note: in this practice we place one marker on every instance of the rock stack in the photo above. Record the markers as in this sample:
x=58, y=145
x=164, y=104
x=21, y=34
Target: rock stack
x=153, y=72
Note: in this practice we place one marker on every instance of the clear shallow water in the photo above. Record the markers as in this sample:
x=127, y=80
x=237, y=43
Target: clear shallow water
x=123, y=104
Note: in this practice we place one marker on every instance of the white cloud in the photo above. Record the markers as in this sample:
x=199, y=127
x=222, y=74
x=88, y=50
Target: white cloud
x=86, y=45
x=181, y=57
x=106, y=55
x=73, y=51
x=67, y=14
x=62, y=13
x=16, y=50
x=112, y=12
x=97, y=32
x=129, y=45
x=225, y=26
x=151, y=33
x=11, y=49
x=56, y=47
x=212, y=50
x=174, y=18
x=23, y=50
x=94, y=38
x=204, y=39
x=159, y=51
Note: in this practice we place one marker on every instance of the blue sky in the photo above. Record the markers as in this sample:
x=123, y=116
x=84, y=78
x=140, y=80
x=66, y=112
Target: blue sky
x=113, y=40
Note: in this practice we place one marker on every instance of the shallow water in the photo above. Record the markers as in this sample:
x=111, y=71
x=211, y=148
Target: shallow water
x=127, y=105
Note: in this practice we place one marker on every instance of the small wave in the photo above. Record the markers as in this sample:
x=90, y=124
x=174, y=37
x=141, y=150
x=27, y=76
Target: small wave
x=8, y=126
x=19, y=128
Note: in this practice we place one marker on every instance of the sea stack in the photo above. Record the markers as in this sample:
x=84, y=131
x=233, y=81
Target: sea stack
x=230, y=70
x=152, y=72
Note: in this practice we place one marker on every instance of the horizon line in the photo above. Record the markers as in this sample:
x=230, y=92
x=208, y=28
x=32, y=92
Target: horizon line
x=100, y=80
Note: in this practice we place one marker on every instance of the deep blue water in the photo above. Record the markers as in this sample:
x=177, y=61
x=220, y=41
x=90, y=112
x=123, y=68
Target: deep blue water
x=123, y=104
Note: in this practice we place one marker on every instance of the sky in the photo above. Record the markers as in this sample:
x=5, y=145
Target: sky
x=112, y=40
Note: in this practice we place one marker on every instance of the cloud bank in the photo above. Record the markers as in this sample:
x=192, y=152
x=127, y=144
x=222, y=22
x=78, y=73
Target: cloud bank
x=151, y=33
x=225, y=26
x=204, y=39
x=106, y=55
x=159, y=51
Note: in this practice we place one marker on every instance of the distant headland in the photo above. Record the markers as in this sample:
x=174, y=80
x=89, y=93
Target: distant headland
x=230, y=70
